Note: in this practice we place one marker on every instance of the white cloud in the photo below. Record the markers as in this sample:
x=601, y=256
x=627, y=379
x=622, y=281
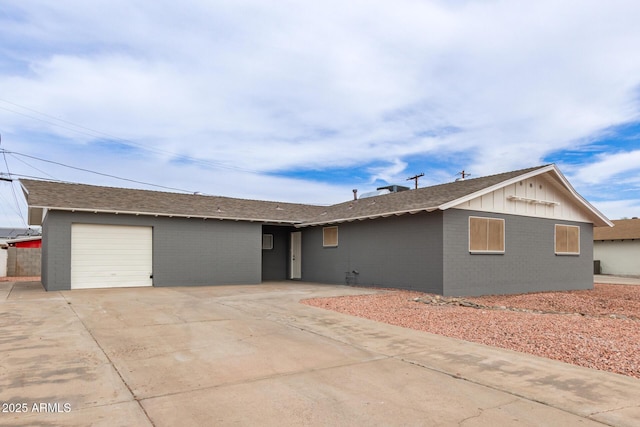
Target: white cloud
x=618, y=209
x=610, y=166
x=268, y=87
x=389, y=172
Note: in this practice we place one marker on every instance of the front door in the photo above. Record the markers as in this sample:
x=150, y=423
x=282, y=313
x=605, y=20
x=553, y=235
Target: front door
x=295, y=258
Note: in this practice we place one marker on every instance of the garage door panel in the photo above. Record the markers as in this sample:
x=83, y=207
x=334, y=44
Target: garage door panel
x=110, y=256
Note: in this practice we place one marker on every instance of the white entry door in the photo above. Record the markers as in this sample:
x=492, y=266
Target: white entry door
x=110, y=256
x=296, y=255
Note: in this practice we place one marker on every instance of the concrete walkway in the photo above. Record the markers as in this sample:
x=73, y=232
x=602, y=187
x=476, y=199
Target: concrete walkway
x=252, y=355
x=616, y=280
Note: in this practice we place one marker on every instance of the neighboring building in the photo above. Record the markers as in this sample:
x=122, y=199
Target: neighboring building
x=9, y=233
x=24, y=257
x=520, y=231
x=33, y=242
x=14, y=259
x=617, y=249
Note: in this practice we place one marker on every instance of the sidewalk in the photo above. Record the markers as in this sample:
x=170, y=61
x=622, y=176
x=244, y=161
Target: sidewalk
x=616, y=280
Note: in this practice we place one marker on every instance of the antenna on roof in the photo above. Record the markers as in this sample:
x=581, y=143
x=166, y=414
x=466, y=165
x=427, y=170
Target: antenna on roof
x=463, y=175
x=415, y=178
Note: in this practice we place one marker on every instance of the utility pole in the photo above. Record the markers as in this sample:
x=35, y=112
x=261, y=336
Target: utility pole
x=415, y=178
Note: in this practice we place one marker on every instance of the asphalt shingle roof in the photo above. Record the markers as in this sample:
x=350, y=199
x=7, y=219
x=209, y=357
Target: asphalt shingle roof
x=48, y=194
x=52, y=195
x=426, y=198
x=622, y=229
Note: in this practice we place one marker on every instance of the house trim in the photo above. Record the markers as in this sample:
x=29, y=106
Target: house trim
x=365, y=217
x=602, y=220
x=168, y=215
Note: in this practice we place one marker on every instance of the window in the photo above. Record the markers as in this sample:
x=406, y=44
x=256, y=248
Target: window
x=567, y=239
x=267, y=242
x=486, y=235
x=330, y=236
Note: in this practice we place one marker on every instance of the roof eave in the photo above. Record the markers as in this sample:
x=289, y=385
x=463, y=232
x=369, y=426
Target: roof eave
x=599, y=215
x=494, y=187
x=169, y=215
x=365, y=217
x=600, y=219
x=24, y=239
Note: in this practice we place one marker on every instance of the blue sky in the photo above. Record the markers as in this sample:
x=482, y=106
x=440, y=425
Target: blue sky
x=304, y=101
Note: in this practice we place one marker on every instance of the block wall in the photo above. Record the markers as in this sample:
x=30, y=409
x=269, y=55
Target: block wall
x=23, y=262
x=401, y=252
x=529, y=262
x=186, y=252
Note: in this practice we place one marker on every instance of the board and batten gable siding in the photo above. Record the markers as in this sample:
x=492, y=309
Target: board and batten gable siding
x=186, y=252
x=402, y=252
x=529, y=262
x=541, y=188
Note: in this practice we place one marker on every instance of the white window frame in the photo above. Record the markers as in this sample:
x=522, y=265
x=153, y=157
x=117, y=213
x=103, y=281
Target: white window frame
x=267, y=242
x=487, y=251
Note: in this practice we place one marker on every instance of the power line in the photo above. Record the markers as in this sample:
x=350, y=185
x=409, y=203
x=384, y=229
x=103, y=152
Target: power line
x=12, y=206
x=13, y=190
x=13, y=153
x=100, y=134
x=19, y=175
x=39, y=170
x=46, y=121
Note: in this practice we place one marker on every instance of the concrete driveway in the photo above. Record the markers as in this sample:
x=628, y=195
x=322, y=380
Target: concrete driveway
x=252, y=355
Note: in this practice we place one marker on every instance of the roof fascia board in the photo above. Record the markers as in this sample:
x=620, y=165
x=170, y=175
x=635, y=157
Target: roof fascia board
x=363, y=217
x=107, y=211
x=25, y=191
x=24, y=239
x=582, y=200
x=540, y=171
x=494, y=187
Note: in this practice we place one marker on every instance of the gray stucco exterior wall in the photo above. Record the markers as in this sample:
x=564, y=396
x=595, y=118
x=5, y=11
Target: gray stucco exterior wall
x=186, y=252
x=529, y=263
x=428, y=252
x=401, y=252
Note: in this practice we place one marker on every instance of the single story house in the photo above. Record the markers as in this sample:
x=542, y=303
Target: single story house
x=520, y=231
x=618, y=249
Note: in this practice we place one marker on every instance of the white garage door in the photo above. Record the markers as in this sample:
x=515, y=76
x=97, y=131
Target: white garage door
x=110, y=256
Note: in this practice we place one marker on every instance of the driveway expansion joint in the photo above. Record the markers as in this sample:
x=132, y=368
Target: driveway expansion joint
x=133, y=396
x=458, y=376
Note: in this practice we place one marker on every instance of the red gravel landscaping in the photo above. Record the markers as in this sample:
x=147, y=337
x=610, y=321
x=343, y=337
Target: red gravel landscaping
x=597, y=328
x=20, y=279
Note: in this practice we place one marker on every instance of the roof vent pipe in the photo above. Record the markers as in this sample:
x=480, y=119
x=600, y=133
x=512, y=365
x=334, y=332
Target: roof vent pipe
x=355, y=194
